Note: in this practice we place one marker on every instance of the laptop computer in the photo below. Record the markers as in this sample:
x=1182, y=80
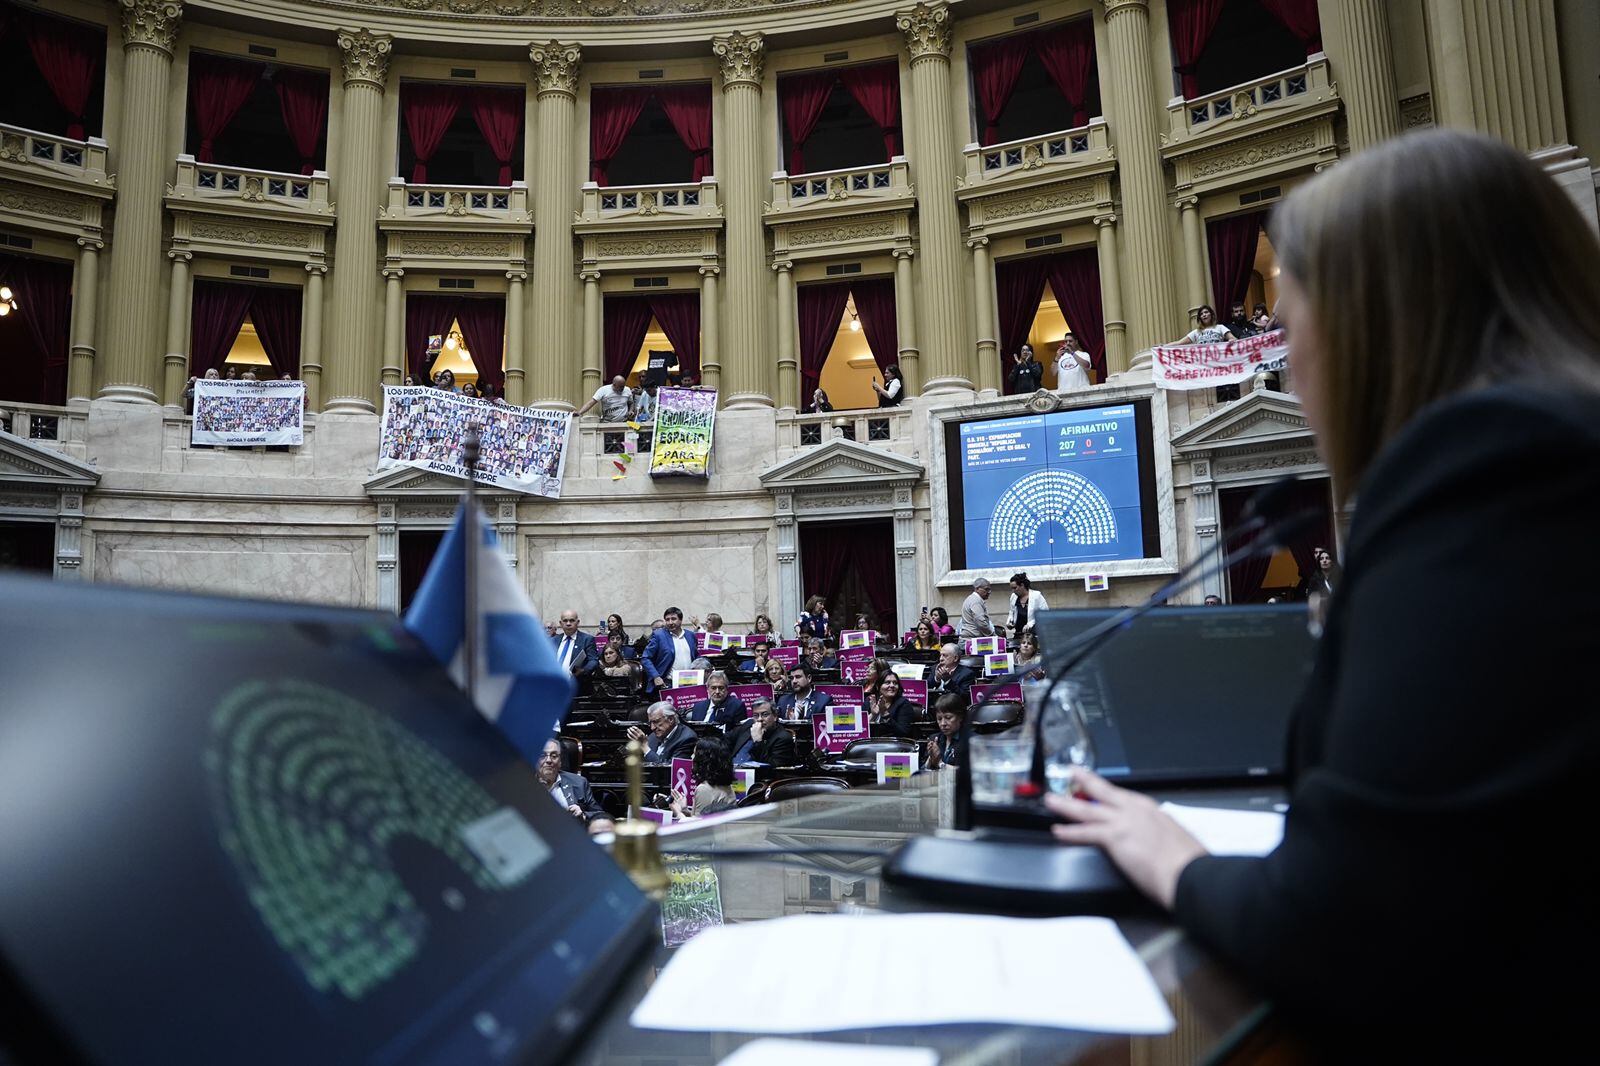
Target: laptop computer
x=263, y=833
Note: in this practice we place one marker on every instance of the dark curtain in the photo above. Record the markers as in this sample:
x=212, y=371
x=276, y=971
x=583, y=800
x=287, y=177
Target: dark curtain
x=1300, y=18
x=825, y=553
x=1311, y=494
x=821, y=307
x=218, y=88
x=1067, y=53
x=803, y=97
x=1191, y=23
x=996, y=65
x=874, y=562
x=426, y=316
x=1019, y=285
x=68, y=55
x=427, y=111
x=303, y=99
x=44, y=299
x=483, y=329
x=612, y=113
x=276, y=314
x=679, y=316
x=876, y=88
x=627, y=320
x=1244, y=578
x=417, y=549
x=498, y=113
x=688, y=108
x=875, y=304
x=1075, y=279
x=1231, y=246
x=219, y=312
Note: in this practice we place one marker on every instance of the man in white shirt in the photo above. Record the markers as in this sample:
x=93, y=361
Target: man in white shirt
x=670, y=648
x=975, y=612
x=616, y=402
x=1072, y=365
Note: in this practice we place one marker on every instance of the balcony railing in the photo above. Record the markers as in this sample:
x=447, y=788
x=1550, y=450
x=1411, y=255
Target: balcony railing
x=62, y=428
x=498, y=203
x=615, y=203
x=241, y=187
x=881, y=181
x=1287, y=90
x=886, y=426
x=80, y=160
x=1064, y=148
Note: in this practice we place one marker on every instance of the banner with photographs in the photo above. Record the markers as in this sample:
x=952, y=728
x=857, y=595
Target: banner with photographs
x=685, y=419
x=230, y=412
x=1202, y=366
x=523, y=448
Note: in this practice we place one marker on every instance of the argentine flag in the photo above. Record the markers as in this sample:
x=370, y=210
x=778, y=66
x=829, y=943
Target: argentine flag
x=520, y=686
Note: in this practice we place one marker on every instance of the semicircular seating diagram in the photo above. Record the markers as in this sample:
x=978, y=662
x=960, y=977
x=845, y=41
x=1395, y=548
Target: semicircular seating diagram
x=1062, y=497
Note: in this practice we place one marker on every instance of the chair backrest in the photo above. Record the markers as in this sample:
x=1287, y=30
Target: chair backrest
x=863, y=753
x=571, y=754
x=795, y=787
x=995, y=718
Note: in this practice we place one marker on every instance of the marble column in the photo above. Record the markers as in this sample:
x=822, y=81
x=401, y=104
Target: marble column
x=394, y=326
x=788, y=364
x=1355, y=34
x=311, y=335
x=516, y=352
x=1496, y=68
x=1153, y=314
x=85, y=308
x=926, y=29
x=983, y=304
x=555, y=377
x=710, y=353
x=352, y=370
x=594, y=333
x=744, y=189
x=905, y=320
x=178, y=307
x=1194, y=256
x=133, y=342
x=1111, y=294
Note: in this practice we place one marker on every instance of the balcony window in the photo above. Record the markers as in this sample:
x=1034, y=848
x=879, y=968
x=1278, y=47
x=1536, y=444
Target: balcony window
x=259, y=116
x=461, y=134
x=838, y=119
x=465, y=335
x=1221, y=43
x=244, y=330
x=650, y=135
x=52, y=74
x=848, y=335
x=1042, y=298
x=653, y=337
x=1030, y=84
x=35, y=330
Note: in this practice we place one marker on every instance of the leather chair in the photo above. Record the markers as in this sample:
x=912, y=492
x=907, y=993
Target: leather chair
x=795, y=787
x=862, y=755
x=995, y=718
x=571, y=754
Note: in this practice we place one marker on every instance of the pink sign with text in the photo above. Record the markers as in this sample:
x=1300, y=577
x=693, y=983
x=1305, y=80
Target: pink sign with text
x=787, y=655
x=915, y=691
x=832, y=730
x=843, y=695
x=686, y=697
x=749, y=694
x=1011, y=693
x=683, y=780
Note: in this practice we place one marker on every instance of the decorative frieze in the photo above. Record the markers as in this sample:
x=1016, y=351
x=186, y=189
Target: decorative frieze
x=641, y=247
x=1416, y=112
x=865, y=230
x=555, y=67
x=30, y=201
x=1254, y=155
x=452, y=247
x=743, y=57
x=253, y=234
x=365, y=56
x=1062, y=197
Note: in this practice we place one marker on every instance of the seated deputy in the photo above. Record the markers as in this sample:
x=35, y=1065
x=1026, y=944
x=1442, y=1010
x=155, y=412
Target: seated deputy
x=802, y=698
x=762, y=740
x=944, y=748
x=570, y=790
x=719, y=708
x=668, y=738
x=949, y=676
x=713, y=780
x=889, y=713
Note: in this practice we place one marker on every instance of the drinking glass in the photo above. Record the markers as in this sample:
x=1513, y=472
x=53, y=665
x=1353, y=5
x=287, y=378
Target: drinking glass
x=1066, y=739
x=1000, y=762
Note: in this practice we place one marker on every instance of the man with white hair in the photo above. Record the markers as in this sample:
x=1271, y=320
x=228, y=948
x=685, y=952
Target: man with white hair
x=668, y=738
x=950, y=677
x=975, y=612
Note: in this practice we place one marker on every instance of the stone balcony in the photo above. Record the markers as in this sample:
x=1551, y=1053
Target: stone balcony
x=635, y=207
x=66, y=429
x=833, y=213
x=235, y=212
x=447, y=207
x=1034, y=160
x=73, y=166
x=835, y=191
x=888, y=428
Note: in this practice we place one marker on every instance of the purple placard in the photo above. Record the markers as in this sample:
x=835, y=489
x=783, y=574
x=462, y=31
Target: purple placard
x=749, y=694
x=896, y=765
x=843, y=695
x=853, y=664
x=655, y=814
x=686, y=697
x=683, y=780
x=829, y=733
x=1011, y=693
x=916, y=692
x=788, y=655
x=601, y=641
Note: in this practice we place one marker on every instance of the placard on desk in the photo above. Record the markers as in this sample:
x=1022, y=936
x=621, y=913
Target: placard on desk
x=750, y=695
x=834, y=728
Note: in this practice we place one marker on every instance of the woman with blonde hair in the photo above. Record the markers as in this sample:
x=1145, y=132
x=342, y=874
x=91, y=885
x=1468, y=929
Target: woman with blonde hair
x=1441, y=298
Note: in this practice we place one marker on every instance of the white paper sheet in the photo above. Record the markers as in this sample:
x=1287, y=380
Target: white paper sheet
x=1225, y=832
x=774, y=1052
x=872, y=971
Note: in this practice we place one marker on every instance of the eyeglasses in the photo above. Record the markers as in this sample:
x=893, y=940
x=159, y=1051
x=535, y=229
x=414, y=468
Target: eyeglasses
x=549, y=755
x=657, y=721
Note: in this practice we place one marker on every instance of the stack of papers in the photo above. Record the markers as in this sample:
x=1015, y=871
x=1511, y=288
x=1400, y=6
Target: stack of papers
x=1225, y=832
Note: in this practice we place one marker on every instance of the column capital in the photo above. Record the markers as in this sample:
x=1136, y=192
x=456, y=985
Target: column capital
x=977, y=242
x=904, y=253
x=589, y=276
x=393, y=273
x=1107, y=219
x=1190, y=201
x=1118, y=7
x=92, y=244
x=742, y=57
x=710, y=271
x=783, y=266
x=556, y=67
x=365, y=57
x=153, y=23
x=317, y=269
x=926, y=28
x=180, y=255
x=517, y=276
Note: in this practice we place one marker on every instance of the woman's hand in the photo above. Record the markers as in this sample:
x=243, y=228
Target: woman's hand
x=1144, y=842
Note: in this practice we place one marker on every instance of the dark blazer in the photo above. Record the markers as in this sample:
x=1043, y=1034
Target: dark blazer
x=1445, y=750
x=678, y=744
x=729, y=715
x=658, y=654
x=585, y=654
x=959, y=682
x=775, y=749
x=786, y=709
x=1025, y=377
x=899, y=720
x=577, y=790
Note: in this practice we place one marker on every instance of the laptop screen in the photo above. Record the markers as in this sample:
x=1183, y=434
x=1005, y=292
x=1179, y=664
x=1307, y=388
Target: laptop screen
x=1190, y=693
x=253, y=833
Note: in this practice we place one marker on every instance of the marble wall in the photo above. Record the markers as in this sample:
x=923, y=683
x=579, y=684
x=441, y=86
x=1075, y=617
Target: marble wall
x=286, y=567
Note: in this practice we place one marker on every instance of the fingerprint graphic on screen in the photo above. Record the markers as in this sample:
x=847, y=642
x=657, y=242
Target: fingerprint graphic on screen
x=1059, y=496
x=309, y=788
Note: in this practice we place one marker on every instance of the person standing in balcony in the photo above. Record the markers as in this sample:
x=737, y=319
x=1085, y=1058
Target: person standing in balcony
x=1027, y=373
x=1072, y=365
x=892, y=391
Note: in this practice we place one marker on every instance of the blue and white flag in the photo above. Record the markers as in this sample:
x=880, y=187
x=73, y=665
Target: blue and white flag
x=520, y=686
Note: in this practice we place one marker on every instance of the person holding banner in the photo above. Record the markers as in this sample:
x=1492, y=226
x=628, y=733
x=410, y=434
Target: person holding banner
x=1210, y=331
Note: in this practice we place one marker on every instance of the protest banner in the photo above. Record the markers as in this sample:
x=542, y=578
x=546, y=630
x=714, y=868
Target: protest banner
x=1203, y=366
x=521, y=448
x=685, y=421
x=242, y=413
x=833, y=729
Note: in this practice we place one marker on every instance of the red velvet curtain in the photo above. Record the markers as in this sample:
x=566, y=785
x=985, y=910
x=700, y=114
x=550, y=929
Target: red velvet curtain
x=1019, y=285
x=1075, y=279
x=276, y=315
x=874, y=561
x=44, y=295
x=303, y=99
x=426, y=316
x=688, y=108
x=218, y=88
x=427, y=111
x=825, y=553
x=68, y=55
x=483, y=329
x=1231, y=246
x=1191, y=23
x=498, y=113
x=1067, y=54
x=612, y=113
x=875, y=304
x=219, y=311
x=1300, y=18
x=803, y=97
x=1244, y=578
x=996, y=65
x=876, y=88
x=679, y=316
x=627, y=320
x=821, y=307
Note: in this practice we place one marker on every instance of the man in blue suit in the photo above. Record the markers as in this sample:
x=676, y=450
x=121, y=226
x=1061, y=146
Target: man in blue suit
x=802, y=699
x=720, y=709
x=671, y=648
x=575, y=650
